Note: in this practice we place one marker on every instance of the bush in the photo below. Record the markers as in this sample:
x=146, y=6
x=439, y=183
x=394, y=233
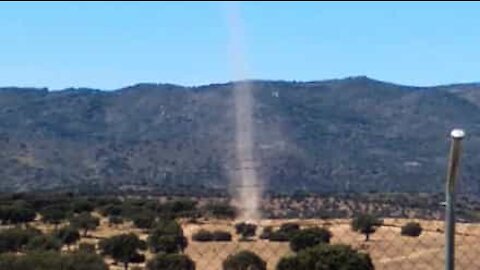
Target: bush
x=68, y=235
x=202, y=236
x=43, y=243
x=266, y=233
x=413, y=229
x=285, y=232
x=246, y=229
x=144, y=220
x=179, y=208
x=170, y=262
x=327, y=257
x=83, y=261
x=289, y=228
x=222, y=236
x=309, y=237
x=206, y=236
x=82, y=205
x=279, y=236
x=244, y=260
x=221, y=210
x=52, y=260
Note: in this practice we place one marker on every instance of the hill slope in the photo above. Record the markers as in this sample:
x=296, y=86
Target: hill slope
x=349, y=135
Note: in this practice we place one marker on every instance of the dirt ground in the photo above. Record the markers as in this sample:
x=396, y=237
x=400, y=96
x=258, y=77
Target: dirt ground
x=388, y=249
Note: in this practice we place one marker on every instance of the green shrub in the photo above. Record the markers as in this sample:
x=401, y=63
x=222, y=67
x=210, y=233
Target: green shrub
x=266, y=233
x=279, y=236
x=170, y=262
x=285, y=232
x=220, y=210
x=143, y=220
x=289, y=228
x=15, y=239
x=222, y=236
x=202, y=236
x=246, y=229
x=52, y=261
x=328, y=257
x=116, y=220
x=43, y=243
x=413, y=229
x=79, y=206
x=67, y=235
x=309, y=237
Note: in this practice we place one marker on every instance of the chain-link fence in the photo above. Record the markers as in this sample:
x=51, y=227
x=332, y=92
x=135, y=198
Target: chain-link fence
x=410, y=237
x=302, y=231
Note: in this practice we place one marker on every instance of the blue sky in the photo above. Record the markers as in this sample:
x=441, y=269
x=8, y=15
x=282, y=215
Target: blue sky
x=109, y=45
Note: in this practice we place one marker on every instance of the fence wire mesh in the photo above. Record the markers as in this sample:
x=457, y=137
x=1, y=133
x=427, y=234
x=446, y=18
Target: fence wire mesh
x=296, y=232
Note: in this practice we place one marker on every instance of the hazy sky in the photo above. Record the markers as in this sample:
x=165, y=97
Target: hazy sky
x=110, y=45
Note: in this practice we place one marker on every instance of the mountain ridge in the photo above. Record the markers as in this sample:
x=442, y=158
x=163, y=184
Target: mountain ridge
x=463, y=85
x=355, y=134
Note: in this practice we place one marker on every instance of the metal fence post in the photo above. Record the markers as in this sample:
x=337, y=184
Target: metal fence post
x=453, y=164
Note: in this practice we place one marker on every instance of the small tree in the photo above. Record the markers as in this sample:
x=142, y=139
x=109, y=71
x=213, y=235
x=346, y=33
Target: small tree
x=365, y=224
x=325, y=256
x=54, y=215
x=86, y=247
x=82, y=205
x=123, y=248
x=86, y=222
x=309, y=237
x=244, y=260
x=246, y=230
x=67, y=235
x=266, y=233
x=144, y=220
x=413, y=229
x=170, y=262
x=115, y=220
x=167, y=237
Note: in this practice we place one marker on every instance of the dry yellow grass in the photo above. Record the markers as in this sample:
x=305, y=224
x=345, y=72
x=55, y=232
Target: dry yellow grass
x=388, y=249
